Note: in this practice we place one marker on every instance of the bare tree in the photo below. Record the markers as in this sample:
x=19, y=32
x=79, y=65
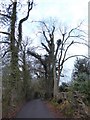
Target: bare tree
x=56, y=53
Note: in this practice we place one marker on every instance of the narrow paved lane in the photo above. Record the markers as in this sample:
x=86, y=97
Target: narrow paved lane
x=35, y=109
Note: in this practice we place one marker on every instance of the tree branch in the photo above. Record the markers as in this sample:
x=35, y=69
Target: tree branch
x=40, y=59
x=45, y=47
x=53, y=30
x=5, y=33
x=62, y=44
x=5, y=15
x=56, y=51
x=5, y=42
x=69, y=34
x=36, y=56
x=46, y=37
x=66, y=52
x=43, y=24
x=75, y=56
x=30, y=6
x=81, y=43
x=5, y=53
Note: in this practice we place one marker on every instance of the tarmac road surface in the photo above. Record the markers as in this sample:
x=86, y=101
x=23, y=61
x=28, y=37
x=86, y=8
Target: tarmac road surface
x=35, y=109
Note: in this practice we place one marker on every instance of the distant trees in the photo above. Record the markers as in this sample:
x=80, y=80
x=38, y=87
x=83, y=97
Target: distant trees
x=81, y=66
x=63, y=87
x=81, y=77
x=26, y=69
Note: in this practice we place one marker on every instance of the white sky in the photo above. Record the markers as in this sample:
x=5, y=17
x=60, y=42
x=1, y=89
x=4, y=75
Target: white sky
x=71, y=10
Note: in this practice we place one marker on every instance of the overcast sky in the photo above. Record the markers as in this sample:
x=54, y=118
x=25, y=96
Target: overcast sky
x=65, y=10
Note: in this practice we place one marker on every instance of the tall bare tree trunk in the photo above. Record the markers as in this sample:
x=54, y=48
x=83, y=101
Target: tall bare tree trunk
x=55, y=83
x=14, y=54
